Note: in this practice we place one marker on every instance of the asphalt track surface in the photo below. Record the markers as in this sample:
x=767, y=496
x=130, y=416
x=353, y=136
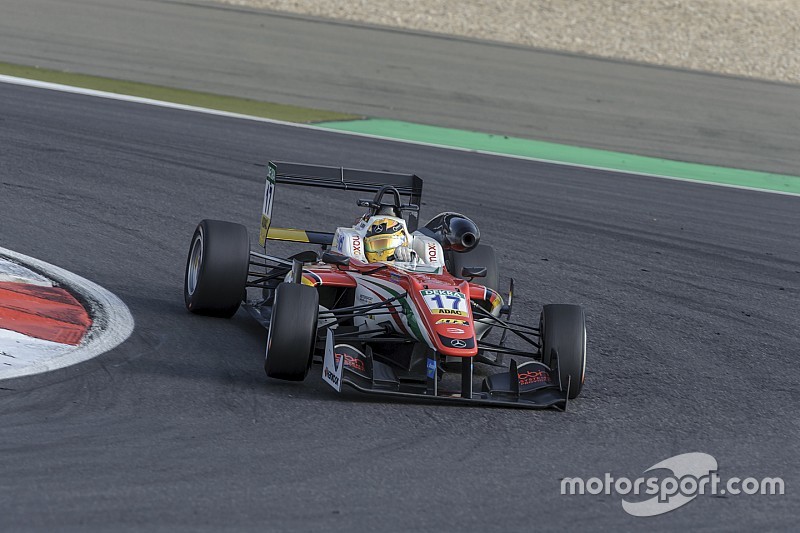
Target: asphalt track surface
x=429, y=79
x=690, y=291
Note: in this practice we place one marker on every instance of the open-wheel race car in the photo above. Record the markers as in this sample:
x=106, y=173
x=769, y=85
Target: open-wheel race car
x=385, y=306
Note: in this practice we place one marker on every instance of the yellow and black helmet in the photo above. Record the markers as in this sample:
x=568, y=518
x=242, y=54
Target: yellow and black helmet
x=383, y=237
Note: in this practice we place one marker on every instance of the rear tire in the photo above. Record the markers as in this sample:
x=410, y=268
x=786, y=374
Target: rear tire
x=480, y=256
x=216, y=268
x=563, y=329
x=292, y=332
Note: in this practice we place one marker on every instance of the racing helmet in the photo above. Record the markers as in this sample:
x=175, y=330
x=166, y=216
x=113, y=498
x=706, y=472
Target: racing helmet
x=383, y=236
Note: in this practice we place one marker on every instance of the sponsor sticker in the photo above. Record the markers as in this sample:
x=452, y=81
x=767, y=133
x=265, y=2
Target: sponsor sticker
x=444, y=302
x=433, y=252
x=448, y=312
x=364, y=298
x=533, y=376
x=349, y=361
x=332, y=378
x=431, y=368
x=458, y=344
x=452, y=321
x=331, y=372
x=362, y=222
x=442, y=292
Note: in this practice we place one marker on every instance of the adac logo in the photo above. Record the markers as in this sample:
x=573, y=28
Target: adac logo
x=448, y=312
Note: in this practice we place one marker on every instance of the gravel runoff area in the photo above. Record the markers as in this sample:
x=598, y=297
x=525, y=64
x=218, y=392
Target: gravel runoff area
x=751, y=38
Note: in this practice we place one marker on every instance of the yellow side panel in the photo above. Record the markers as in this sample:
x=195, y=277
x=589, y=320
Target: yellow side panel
x=286, y=234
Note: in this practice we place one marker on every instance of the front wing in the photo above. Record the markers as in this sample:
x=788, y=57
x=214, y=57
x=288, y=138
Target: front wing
x=531, y=385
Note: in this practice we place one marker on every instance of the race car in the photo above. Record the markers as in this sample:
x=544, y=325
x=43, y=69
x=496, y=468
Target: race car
x=385, y=306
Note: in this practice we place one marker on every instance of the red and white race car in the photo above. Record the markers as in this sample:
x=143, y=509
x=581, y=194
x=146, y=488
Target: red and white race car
x=386, y=306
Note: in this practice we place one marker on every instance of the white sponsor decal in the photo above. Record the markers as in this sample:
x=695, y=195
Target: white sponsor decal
x=445, y=302
x=442, y=292
x=331, y=372
x=433, y=253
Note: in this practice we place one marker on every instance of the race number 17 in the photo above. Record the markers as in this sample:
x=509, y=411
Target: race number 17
x=438, y=299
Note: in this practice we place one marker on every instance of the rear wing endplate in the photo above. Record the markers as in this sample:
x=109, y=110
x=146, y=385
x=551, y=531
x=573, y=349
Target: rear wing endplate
x=266, y=210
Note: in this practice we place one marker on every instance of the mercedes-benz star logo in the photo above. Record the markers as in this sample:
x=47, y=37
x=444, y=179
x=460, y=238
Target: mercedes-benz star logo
x=458, y=343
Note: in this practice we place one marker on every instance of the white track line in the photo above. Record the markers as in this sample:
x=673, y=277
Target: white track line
x=159, y=103
x=112, y=321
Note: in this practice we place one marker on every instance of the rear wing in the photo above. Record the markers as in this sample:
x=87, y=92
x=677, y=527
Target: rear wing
x=349, y=179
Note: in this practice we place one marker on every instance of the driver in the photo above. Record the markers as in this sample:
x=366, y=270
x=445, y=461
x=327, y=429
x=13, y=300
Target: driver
x=386, y=240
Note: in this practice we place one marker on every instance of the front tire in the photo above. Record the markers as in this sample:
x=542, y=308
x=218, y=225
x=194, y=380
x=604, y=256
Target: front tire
x=216, y=268
x=563, y=330
x=292, y=332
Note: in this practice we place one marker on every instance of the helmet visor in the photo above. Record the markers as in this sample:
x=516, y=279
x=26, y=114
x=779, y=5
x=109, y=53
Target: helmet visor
x=379, y=243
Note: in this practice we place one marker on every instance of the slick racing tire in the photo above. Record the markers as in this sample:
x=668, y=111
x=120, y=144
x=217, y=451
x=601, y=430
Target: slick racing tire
x=480, y=256
x=563, y=330
x=216, y=269
x=292, y=332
